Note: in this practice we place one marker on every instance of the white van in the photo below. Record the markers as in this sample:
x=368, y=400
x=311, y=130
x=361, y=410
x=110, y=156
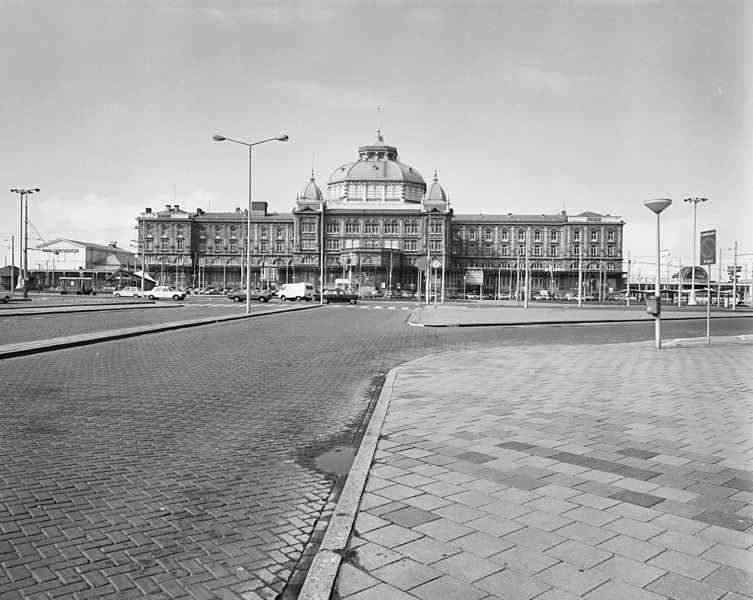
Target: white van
x=296, y=291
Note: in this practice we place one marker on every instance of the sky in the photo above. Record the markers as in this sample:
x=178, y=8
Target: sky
x=528, y=107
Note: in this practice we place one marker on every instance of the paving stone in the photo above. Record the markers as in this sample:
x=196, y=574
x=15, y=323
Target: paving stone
x=636, y=573
x=678, y=587
x=572, y=579
x=409, y=517
x=684, y=564
x=447, y=588
x=406, y=574
x=579, y=554
x=618, y=590
x=523, y=560
x=427, y=550
x=511, y=585
x=734, y=580
x=467, y=567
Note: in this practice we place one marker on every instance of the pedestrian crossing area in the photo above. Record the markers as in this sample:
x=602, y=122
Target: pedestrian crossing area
x=236, y=305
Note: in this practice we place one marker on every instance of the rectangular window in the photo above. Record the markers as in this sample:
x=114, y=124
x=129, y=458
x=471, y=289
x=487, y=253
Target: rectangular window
x=410, y=245
x=521, y=235
x=163, y=245
x=180, y=246
x=435, y=227
x=505, y=249
x=202, y=234
x=552, y=249
x=487, y=249
x=278, y=246
x=333, y=245
x=537, y=236
x=594, y=236
x=576, y=249
x=594, y=250
x=610, y=235
x=263, y=247
x=233, y=246
x=264, y=231
x=202, y=247
x=576, y=235
x=537, y=250
x=610, y=250
x=149, y=245
x=217, y=246
x=411, y=227
x=505, y=235
x=333, y=227
x=553, y=235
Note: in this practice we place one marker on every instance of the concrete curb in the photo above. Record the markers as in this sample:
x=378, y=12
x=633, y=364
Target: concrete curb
x=323, y=572
x=38, y=346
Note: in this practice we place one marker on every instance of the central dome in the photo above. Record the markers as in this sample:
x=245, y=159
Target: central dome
x=377, y=175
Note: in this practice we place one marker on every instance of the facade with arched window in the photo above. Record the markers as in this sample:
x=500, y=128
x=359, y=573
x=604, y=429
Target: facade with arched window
x=375, y=220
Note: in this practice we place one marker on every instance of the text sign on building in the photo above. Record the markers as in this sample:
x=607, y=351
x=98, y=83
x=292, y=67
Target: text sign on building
x=708, y=247
x=474, y=276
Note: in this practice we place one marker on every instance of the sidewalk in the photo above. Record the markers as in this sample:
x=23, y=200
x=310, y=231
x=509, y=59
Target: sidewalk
x=556, y=472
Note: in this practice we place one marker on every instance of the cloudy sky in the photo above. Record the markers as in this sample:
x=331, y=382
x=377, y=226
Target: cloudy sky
x=532, y=106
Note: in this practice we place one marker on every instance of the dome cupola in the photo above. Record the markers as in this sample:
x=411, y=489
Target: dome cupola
x=435, y=192
x=311, y=192
x=377, y=176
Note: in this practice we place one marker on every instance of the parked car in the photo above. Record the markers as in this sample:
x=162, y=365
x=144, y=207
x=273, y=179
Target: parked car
x=239, y=295
x=5, y=294
x=210, y=291
x=165, y=292
x=337, y=295
x=471, y=296
x=130, y=291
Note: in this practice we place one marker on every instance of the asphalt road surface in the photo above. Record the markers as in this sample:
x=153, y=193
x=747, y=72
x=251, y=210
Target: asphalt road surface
x=182, y=464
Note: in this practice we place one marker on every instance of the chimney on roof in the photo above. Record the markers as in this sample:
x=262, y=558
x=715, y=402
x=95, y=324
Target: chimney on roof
x=177, y=207
x=148, y=210
x=168, y=207
x=259, y=209
x=112, y=244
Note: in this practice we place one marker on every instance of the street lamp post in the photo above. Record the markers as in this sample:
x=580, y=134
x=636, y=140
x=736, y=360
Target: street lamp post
x=657, y=206
x=279, y=138
x=24, y=194
x=695, y=201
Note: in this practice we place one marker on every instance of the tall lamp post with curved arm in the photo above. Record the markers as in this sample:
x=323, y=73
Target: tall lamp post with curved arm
x=249, y=145
x=25, y=236
x=695, y=201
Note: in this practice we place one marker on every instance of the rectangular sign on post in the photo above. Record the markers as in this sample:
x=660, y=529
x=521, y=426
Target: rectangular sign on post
x=708, y=247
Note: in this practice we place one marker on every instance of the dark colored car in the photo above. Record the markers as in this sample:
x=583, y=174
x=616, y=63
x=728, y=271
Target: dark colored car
x=337, y=295
x=239, y=295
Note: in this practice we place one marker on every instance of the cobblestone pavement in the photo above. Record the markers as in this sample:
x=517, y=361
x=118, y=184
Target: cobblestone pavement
x=179, y=465
x=597, y=472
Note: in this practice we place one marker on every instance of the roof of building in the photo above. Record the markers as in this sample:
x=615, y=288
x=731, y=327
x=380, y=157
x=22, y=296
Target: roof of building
x=102, y=247
x=377, y=162
x=509, y=218
x=311, y=191
x=435, y=192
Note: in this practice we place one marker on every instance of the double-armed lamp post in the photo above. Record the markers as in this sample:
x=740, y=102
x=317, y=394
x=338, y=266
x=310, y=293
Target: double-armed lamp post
x=692, y=300
x=24, y=276
x=220, y=138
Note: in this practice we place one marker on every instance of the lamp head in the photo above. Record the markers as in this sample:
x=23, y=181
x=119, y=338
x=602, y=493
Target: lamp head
x=218, y=138
x=657, y=205
x=282, y=138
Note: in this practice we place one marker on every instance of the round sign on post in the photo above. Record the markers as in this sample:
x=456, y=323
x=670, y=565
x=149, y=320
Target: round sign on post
x=422, y=263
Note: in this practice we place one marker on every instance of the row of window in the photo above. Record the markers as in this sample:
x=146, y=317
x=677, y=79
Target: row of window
x=535, y=250
x=537, y=235
x=371, y=226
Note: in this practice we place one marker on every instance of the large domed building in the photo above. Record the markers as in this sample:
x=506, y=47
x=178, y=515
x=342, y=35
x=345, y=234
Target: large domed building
x=369, y=229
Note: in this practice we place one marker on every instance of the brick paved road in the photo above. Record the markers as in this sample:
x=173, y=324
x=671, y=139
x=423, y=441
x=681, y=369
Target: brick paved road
x=179, y=465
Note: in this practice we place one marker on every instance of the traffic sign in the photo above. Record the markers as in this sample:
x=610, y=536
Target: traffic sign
x=708, y=247
x=422, y=263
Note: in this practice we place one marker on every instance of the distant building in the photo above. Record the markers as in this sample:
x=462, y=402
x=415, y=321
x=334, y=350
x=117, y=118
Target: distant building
x=377, y=218
x=70, y=258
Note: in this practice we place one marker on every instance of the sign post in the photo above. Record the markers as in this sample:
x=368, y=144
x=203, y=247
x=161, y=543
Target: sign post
x=422, y=264
x=708, y=257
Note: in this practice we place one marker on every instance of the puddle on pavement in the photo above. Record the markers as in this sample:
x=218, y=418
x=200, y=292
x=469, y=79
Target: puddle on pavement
x=336, y=461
